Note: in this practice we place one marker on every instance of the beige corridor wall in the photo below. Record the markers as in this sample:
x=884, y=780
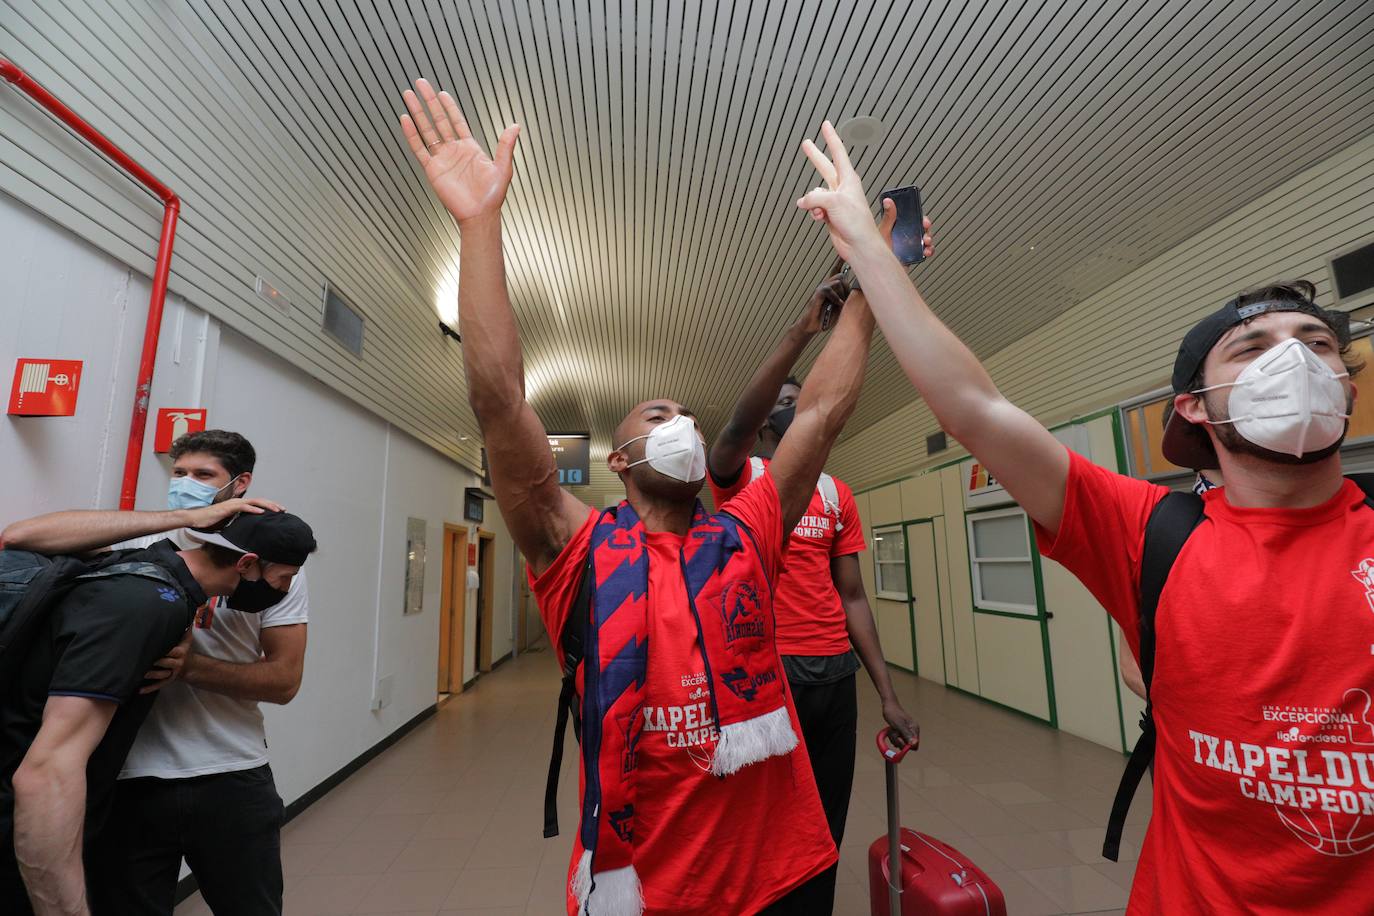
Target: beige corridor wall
x=1117, y=344
x=1121, y=341
x=1058, y=665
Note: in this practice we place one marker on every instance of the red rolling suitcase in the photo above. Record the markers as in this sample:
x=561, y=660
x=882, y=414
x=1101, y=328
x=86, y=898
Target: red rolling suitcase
x=935, y=878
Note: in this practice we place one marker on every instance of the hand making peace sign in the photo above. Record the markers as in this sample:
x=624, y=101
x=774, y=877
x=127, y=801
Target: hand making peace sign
x=842, y=205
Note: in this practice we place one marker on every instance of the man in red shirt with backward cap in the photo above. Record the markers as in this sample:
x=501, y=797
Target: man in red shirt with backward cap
x=696, y=793
x=1262, y=676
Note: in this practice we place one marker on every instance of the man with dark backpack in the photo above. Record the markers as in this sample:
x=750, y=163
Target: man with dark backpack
x=1261, y=678
x=196, y=785
x=76, y=638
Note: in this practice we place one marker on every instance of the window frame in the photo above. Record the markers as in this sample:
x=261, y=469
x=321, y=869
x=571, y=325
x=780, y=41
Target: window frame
x=1030, y=611
x=880, y=532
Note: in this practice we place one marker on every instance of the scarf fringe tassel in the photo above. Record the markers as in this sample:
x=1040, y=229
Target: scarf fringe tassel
x=743, y=743
x=617, y=892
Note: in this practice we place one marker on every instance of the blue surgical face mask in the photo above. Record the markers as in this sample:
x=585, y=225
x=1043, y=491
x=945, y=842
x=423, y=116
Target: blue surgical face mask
x=189, y=493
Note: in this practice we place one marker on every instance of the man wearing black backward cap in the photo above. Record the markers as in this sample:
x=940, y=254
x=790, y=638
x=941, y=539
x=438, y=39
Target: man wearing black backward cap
x=75, y=707
x=1262, y=677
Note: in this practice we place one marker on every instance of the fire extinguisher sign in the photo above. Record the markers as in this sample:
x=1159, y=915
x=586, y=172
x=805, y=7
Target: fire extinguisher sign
x=45, y=387
x=175, y=422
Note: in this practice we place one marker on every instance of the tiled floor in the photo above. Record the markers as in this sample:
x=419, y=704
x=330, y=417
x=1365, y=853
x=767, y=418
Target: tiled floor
x=449, y=820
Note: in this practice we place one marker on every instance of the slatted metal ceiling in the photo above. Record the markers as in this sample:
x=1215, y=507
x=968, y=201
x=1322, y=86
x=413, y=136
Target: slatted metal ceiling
x=653, y=245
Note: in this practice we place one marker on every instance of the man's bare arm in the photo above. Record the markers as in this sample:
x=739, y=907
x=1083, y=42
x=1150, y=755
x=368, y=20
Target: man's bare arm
x=1130, y=670
x=1015, y=448
x=827, y=399
x=863, y=635
x=736, y=440
x=274, y=678
x=540, y=514
x=50, y=803
x=83, y=530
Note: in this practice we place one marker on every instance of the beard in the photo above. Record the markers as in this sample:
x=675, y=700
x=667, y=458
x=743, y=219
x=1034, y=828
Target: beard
x=661, y=486
x=1230, y=438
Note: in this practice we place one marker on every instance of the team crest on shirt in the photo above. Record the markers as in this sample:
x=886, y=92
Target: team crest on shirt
x=741, y=612
x=1364, y=574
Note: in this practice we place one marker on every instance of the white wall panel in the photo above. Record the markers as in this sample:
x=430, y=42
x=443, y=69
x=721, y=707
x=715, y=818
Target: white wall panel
x=1011, y=668
x=351, y=475
x=964, y=635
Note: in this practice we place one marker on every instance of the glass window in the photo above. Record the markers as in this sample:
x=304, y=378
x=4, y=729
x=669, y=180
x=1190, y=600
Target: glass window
x=1002, y=568
x=1001, y=536
x=889, y=563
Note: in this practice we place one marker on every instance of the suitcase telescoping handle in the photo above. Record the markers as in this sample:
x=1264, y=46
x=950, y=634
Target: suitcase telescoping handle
x=891, y=757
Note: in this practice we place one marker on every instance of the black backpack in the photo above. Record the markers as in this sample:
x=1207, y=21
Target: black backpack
x=31, y=584
x=1170, y=525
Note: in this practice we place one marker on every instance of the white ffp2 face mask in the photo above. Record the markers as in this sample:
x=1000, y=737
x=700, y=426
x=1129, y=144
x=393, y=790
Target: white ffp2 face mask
x=1287, y=400
x=674, y=450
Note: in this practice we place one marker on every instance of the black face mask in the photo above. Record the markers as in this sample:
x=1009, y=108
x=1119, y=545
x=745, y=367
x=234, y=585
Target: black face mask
x=254, y=597
x=780, y=420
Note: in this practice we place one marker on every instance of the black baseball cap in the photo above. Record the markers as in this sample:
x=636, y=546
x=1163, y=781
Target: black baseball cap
x=1187, y=444
x=277, y=537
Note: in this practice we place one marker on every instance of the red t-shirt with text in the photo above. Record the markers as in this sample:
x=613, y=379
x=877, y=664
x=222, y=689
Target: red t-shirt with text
x=703, y=844
x=1264, y=771
x=810, y=616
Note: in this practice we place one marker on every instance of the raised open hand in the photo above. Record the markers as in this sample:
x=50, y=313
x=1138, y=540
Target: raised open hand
x=468, y=182
x=841, y=204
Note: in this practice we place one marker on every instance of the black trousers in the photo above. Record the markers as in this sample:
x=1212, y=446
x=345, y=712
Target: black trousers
x=829, y=715
x=226, y=825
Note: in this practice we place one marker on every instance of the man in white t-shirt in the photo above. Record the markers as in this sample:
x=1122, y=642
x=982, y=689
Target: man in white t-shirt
x=196, y=783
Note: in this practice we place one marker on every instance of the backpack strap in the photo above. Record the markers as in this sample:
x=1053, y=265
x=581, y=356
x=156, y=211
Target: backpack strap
x=830, y=497
x=1172, y=521
x=573, y=641
x=140, y=568
x=825, y=485
x=1366, y=483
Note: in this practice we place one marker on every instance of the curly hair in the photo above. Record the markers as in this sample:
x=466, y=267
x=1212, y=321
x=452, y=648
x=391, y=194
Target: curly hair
x=232, y=450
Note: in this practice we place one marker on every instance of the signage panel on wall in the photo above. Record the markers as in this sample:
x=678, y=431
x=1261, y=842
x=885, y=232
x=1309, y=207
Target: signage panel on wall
x=981, y=489
x=175, y=422
x=573, y=452
x=45, y=387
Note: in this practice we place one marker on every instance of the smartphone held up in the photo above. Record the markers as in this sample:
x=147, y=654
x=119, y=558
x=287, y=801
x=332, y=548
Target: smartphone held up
x=908, y=233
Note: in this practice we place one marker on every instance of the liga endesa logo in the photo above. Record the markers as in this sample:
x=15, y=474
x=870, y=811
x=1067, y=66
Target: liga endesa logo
x=1319, y=780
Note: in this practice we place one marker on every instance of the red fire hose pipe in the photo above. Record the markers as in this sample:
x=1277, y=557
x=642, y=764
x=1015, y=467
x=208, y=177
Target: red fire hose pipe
x=171, y=207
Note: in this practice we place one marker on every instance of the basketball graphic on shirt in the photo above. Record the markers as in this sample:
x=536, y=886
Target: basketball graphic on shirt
x=702, y=755
x=1329, y=834
x=1326, y=808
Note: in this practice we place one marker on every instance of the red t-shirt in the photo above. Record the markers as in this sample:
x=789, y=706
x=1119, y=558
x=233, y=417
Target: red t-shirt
x=810, y=615
x=1264, y=772
x=703, y=844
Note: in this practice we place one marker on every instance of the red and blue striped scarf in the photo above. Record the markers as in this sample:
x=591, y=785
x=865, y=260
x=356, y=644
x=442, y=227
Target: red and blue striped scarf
x=731, y=601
